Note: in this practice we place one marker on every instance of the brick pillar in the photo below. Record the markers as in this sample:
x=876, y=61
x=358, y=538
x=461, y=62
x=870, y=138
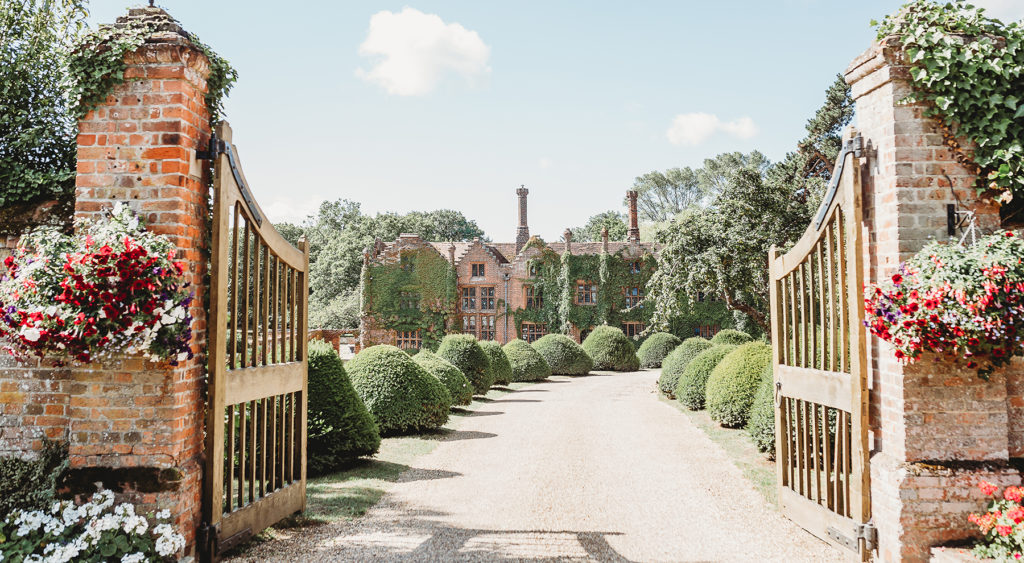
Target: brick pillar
x=634, y=229
x=523, y=231
x=137, y=426
x=936, y=430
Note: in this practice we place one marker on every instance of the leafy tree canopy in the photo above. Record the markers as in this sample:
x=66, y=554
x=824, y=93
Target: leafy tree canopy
x=591, y=232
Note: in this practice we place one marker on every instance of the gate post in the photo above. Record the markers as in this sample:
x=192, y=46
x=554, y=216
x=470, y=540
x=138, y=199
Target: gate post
x=936, y=430
x=137, y=426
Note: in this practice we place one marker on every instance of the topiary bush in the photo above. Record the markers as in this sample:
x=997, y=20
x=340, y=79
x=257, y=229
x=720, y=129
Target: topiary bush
x=501, y=369
x=31, y=484
x=762, y=415
x=563, y=355
x=611, y=350
x=730, y=336
x=527, y=363
x=675, y=363
x=463, y=351
x=401, y=395
x=694, y=379
x=656, y=348
x=340, y=429
x=452, y=377
x=734, y=383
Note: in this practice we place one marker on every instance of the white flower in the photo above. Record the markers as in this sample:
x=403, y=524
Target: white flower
x=51, y=310
x=30, y=333
x=163, y=514
x=133, y=558
x=167, y=320
x=178, y=312
x=182, y=356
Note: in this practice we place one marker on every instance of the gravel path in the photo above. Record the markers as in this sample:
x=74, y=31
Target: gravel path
x=583, y=469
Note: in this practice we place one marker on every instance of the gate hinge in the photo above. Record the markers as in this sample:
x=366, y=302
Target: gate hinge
x=215, y=148
x=207, y=541
x=866, y=532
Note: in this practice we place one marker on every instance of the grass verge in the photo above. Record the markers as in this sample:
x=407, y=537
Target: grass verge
x=740, y=448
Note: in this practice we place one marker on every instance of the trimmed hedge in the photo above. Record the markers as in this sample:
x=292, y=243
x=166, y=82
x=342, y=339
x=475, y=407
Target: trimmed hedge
x=527, y=363
x=31, y=484
x=340, y=429
x=501, y=369
x=762, y=415
x=563, y=355
x=675, y=363
x=401, y=395
x=463, y=351
x=611, y=350
x=694, y=379
x=452, y=377
x=656, y=348
x=730, y=336
x=734, y=383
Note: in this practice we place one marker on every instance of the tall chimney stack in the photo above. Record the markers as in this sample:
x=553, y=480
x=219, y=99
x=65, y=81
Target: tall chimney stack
x=523, y=232
x=567, y=235
x=633, y=235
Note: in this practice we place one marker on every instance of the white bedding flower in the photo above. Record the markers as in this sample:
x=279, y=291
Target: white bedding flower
x=30, y=333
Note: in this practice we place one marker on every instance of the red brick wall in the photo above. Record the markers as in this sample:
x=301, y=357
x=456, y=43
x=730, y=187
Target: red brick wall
x=936, y=430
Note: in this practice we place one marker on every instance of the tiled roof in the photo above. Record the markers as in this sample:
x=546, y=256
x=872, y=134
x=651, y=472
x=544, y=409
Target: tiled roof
x=505, y=252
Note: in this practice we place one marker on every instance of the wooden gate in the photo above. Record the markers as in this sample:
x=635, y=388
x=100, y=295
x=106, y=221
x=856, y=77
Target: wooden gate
x=820, y=367
x=255, y=472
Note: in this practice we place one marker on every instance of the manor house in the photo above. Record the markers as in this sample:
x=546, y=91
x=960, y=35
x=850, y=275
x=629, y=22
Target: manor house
x=415, y=291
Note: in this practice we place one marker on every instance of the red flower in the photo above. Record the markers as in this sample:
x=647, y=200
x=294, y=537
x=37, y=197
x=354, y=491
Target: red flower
x=987, y=488
x=1004, y=530
x=1014, y=494
x=897, y=279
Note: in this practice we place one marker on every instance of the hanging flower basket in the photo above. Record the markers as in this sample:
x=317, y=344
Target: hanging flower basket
x=111, y=288
x=962, y=302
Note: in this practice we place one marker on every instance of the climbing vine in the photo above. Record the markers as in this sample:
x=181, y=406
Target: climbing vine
x=969, y=68
x=420, y=294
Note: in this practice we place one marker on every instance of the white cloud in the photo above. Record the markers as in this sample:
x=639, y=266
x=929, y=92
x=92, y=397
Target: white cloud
x=412, y=51
x=694, y=128
x=1006, y=10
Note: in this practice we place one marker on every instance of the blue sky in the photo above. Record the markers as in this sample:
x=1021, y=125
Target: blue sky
x=455, y=104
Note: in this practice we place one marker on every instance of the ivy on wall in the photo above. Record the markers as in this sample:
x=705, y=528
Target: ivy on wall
x=428, y=276
x=557, y=277
x=969, y=68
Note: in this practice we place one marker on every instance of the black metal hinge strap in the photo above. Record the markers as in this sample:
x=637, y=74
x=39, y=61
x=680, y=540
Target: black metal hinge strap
x=219, y=147
x=855, y=146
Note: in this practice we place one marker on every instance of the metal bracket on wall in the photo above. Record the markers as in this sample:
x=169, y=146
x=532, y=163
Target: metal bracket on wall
x=866, y=532
x=219, y=147
x=855, y=146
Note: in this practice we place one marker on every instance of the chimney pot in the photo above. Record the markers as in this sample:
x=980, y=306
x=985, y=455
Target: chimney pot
x=523, y=232
x=633, y=235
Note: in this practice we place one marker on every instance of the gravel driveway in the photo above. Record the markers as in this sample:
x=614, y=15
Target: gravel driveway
x=590, y=468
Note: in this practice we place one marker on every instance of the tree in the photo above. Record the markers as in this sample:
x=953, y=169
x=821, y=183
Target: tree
x=591, y=232
x=663, y=195
x=723, y=247
x=38, y=127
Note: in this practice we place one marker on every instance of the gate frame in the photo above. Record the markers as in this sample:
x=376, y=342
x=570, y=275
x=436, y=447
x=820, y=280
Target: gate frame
x=844, y=195
x=231, y=190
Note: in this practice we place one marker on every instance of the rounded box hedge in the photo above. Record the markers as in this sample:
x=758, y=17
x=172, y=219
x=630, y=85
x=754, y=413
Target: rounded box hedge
x=762, y=415
x=694, y=379
x=340, y=429
x=465, y=353
x=563, y=355
x=730, y=336
x=401, y=395
x=656, y=348
x=452, y=377
x=674, y=364
x=501, y=369
x=611, y=350
x=527, y=363
x=734, y=383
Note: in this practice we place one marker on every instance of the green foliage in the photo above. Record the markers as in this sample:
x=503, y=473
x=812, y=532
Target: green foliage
x=431, y=278
x=690, y=391
x=31, y=484
x=734, y=382
x=527, y=363
x=675, y=363
x=969, y=69
x=451, y=376
x=401, y=395
x=501, y=368
x=340, y=427
x=614, y=221
x=38, y=128
x=728, y=336
x=762, y=415
x=557, y=277
x=563, y=355
x=722, y=246
x=656, y=348
x=611, y=350
x=463, y=351
x=340, y=312
x=663, y=195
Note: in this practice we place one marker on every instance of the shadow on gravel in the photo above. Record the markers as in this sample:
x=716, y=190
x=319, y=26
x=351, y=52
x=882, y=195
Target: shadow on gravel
x=464, y=412
x=518, y=401
x=449, y=435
